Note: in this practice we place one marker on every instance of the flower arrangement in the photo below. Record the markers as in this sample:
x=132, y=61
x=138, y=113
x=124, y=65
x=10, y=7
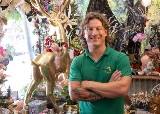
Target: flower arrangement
x=139, y=37
x=140, y=100
x=154, y=54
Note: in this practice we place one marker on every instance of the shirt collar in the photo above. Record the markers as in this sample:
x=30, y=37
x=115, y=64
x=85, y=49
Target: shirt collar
x=106, y=52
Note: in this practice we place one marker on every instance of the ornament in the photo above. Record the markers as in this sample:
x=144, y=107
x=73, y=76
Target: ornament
x=5, y=61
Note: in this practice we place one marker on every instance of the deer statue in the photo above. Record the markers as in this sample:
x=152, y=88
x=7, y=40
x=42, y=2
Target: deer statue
x=44, y=65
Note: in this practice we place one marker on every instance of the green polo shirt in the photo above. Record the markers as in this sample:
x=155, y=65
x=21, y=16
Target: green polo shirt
x=83, y=67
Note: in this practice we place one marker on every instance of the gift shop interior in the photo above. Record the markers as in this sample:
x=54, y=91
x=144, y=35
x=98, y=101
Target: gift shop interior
x=29, y=29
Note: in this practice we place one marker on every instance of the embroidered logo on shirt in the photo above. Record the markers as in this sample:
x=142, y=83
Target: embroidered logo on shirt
x=107, y=69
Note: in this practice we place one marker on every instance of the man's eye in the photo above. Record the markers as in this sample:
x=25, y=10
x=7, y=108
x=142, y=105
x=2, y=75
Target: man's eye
x=89, y=29
x=99, y=28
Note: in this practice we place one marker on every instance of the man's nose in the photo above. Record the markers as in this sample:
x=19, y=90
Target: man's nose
x=94, y=32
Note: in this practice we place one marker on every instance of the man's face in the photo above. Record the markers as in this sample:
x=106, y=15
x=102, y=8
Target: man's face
x=95, y=33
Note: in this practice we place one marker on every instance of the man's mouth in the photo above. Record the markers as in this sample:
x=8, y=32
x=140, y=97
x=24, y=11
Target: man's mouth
x=95, y=38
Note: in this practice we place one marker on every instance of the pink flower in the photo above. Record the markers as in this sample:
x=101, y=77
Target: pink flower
x=139, y=37
x=55, y=47
x=2, y=51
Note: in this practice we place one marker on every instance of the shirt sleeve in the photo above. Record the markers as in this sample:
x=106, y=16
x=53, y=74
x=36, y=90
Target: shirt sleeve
x=75, y=70
x=123, y=65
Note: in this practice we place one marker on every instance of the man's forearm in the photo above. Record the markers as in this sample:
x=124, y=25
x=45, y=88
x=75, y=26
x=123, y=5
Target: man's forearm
x=86, y=95
x=110, y=89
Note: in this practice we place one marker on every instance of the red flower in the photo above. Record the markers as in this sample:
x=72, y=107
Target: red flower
x=76, y=52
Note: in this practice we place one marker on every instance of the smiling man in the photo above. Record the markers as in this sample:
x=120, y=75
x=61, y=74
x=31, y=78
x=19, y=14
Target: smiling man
x=101, y=77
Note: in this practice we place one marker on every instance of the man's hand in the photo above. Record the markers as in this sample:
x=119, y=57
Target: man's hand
x=116, y=76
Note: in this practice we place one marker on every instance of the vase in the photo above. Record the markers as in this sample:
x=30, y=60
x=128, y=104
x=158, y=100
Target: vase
x=71, y=109
x=157, y=67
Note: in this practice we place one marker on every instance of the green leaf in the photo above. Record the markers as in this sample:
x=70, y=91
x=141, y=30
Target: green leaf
x=14, y=15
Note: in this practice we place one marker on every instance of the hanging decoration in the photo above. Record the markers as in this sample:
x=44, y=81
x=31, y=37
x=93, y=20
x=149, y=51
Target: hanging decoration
x=146, y=3
x=41, y=30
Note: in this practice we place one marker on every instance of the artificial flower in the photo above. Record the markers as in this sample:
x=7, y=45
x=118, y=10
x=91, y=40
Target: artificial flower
x=139, y=37
x=154, y=54
x=2, y=51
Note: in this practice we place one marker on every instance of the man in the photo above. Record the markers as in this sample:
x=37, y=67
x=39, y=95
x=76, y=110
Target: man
x=101, y=76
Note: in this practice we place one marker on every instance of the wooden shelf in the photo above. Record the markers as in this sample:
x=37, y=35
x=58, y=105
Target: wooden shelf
x=146, y=77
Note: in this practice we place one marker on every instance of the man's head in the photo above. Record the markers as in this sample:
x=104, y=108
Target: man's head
x=93, y=23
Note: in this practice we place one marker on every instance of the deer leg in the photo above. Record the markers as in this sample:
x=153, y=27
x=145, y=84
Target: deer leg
x=34, y=83
x=49, y=93
x=37, y=77
x=49, y=74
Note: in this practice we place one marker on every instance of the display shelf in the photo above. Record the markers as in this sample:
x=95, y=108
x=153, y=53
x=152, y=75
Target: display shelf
x=143, y=83
x=146, y=77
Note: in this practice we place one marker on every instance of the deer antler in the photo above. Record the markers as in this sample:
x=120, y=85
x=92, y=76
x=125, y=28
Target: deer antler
x=56, y=21
x=64, y=4
x=56, y=14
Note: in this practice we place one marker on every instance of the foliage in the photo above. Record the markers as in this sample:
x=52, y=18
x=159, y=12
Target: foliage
x=4, y=98
x=76, y=45
x=14, y=15
x=82, y=6
x=24, y=89
x=65, y=94
x=10, y=49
